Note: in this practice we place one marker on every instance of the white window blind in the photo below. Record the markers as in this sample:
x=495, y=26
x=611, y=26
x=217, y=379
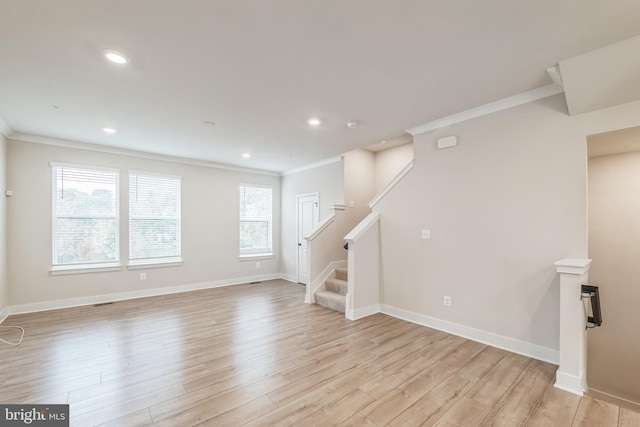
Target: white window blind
x=255, y=220
x=85, y=217
x=154, y=219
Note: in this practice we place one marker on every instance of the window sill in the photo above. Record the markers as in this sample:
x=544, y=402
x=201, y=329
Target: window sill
x=154, y=264
x=88, y=268
x=255, y=256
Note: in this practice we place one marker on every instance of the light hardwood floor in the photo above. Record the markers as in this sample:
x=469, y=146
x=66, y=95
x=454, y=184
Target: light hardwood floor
x=256, y=355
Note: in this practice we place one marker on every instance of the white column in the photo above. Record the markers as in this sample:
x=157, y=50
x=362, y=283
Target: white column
x=571, y=375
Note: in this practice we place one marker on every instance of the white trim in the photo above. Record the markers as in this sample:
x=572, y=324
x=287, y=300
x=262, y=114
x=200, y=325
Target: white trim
x=362, y=312
x=327, y=273
x=83, y=166
x=154, y=174
x=390, y=185
x=250, y=257
x=364, y=225
x=336, y=207
x=132, y=153
x=573, y=265
x=99, y=299
x=154, y=265
x=4, y=128
x=320, y=227
x=312, y=165
x=570, y=383
x=4, y=314
x=483, y=110
x=289, y=277
x=510, y=344
x=60, y=270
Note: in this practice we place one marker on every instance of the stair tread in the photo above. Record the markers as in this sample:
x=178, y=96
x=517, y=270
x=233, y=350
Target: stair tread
x=341, y=273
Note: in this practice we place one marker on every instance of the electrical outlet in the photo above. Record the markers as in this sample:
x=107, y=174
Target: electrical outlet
x=143, y=276
x=257, y=264
x=447, y=301
x=426, y=234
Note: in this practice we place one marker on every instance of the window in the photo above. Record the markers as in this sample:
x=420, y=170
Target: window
x=85, y=217
x=255, y=220
x=154, y=219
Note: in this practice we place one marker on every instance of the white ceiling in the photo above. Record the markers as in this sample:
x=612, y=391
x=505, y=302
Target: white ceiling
x=260, y=68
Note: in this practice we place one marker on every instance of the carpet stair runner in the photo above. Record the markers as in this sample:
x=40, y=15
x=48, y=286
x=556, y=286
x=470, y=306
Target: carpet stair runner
x=334, y=296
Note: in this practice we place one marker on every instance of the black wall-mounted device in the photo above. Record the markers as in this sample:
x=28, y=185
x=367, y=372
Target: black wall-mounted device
x=593, y=294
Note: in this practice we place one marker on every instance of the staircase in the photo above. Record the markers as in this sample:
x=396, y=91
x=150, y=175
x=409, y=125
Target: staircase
x=336, y=289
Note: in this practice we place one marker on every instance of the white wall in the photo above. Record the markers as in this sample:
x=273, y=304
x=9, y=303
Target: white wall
x=209, y=226
x=3, y=227
x=359, y=183
x=328, y=180
x=388, y=163
x=502, y=207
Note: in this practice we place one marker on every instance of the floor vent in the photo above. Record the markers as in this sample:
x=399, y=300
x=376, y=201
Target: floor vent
x=102, y=303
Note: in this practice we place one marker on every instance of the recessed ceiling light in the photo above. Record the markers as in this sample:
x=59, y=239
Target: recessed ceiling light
x=352, y=124
x=314, y=121
x=246, y=155
x=383, y=142
x=109, y=131
x=115, y=56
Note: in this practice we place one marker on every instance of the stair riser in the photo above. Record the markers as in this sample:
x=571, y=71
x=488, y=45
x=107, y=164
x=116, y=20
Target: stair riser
x=337, y=286
x=341, y=273
x=332, y=303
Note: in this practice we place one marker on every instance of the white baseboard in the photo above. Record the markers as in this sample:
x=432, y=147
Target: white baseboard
x=289, y=278
x=318, y=282
x=99, y=299
x=510, y=344
x=359, y=313
x=571, y=383
x=4, y=314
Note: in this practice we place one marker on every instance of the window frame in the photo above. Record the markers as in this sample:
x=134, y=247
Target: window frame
x=87, y=267
x=164, y=261
x=258, y=253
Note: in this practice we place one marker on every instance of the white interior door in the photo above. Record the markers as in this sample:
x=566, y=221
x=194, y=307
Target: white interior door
x=308, y=218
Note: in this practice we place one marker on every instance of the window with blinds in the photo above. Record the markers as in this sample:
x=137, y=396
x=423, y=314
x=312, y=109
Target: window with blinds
x=85, y=217
x=154, y=219
x=255, y=220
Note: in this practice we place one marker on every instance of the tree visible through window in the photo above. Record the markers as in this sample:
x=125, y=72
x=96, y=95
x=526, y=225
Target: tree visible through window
x=85, y=216
x=255, y=220
x=154, y=218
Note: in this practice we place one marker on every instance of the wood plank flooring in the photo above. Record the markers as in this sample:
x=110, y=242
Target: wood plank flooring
x=256, y=355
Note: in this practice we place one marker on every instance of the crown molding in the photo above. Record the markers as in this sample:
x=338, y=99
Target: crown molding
x=4, y=128
x=125, y=152
x=313, y=165
x=483, y=110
